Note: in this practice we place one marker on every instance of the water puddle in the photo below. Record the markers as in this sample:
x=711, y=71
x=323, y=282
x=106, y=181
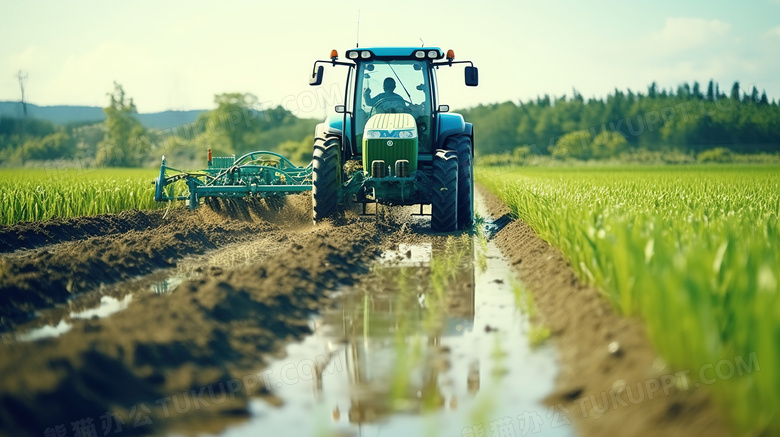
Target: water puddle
x=108, y=305
x=408, y=255
x=159, y=282
x=45, y=332
x=433, y=343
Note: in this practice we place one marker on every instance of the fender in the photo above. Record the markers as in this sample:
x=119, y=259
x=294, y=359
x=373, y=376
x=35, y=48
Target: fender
x=453, y=124
x=333, y=125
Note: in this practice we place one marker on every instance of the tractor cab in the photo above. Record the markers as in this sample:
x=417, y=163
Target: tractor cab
x=383, y=144
x=403, y=87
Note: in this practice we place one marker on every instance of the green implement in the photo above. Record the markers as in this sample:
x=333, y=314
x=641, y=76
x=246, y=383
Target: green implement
x=260, y=174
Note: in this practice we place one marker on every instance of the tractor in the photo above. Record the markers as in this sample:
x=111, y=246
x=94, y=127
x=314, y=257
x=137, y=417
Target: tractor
x=391, y=142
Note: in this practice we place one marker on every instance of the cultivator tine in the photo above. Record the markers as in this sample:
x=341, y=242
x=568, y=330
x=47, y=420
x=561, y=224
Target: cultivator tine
x=274, y=203
x=213, y=204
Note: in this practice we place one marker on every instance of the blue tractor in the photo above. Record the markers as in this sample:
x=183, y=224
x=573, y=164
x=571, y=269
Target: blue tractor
x=391, y=142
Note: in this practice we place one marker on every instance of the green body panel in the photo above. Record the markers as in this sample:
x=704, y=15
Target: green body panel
x=387, y=143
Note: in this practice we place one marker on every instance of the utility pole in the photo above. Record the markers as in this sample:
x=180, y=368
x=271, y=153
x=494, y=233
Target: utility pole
x=22, y=75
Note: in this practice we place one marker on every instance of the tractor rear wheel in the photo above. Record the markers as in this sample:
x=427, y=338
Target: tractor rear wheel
x=461, y=144
x=326, y=177
x=444, y=196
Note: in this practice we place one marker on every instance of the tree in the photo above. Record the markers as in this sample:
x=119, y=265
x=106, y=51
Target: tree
x=573, y=145
x=652, y=90
x=711, y=91
x=754, y=95
x=299, y=152
x=686, y=90
x=235, y=124
x=735, y=91
x=125, y=143
x=697, y=91
x=608, y=144
x=764, y=100
x=52, y=146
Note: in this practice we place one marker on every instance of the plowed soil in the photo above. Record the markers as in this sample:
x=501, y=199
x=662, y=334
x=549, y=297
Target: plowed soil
x=212, y=334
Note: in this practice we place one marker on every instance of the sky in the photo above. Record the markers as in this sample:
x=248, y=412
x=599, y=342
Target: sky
x=179, y=54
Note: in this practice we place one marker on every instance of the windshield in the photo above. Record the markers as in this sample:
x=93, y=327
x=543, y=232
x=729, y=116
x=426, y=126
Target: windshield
x=396, y=86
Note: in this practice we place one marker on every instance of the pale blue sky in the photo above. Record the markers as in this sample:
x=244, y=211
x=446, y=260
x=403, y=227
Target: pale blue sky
x=178, y=54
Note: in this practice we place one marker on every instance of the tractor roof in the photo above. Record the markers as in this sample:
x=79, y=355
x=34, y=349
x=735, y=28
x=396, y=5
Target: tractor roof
x=392, y=53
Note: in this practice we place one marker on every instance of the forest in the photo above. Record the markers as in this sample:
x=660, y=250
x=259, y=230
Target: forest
x=686, y=124
x=674, y=124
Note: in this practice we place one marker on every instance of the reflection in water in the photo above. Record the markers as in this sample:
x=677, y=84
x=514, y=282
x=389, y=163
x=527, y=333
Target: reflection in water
x=426, y=346
x=108, y=305
x=394, y=332
x=167, y=285
x=45, y=332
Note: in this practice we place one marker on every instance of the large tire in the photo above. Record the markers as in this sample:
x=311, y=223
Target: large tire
x=444, y=195
x=461, y=144
x=326, y=177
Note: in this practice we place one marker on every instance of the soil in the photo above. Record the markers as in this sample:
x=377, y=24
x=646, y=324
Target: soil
x=603, y=355
x=257, y=273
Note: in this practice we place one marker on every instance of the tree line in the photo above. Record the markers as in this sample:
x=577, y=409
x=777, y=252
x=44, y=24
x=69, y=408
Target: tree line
x=686, y=120
x=689, y=121
x=235, y=126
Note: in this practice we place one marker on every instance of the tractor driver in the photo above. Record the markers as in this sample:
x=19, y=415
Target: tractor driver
x=389, y=86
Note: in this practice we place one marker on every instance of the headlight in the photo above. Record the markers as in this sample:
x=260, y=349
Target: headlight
x=365, y=54
x=373, y=134
x=352, y=55
x=419, y=54
x=405, y=134
x=433, y=54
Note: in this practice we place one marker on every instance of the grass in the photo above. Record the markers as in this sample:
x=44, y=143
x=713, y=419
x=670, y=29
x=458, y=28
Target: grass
x=30, y=195
x=693, y=250
x=524, y=300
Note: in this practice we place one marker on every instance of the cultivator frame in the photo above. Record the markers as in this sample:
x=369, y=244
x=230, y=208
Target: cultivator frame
x=260, y=173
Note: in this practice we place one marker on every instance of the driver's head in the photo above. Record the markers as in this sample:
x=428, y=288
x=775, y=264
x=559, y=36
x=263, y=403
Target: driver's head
x=389, y=85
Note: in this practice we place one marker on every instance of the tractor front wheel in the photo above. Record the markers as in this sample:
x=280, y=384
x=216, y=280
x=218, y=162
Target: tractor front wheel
x=326, y=177
x=444, y=196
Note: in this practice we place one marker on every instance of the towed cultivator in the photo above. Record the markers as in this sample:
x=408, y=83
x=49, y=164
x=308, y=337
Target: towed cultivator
x=259, y=174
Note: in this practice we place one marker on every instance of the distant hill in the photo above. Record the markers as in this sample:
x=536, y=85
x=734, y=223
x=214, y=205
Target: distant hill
x=63, y=114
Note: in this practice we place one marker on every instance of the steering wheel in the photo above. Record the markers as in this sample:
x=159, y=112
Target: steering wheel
x=393, y=104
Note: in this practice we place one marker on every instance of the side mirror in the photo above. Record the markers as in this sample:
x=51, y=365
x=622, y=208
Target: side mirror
x=444, y=108
x=472, y=76
x=340, y=109
x=316, y=76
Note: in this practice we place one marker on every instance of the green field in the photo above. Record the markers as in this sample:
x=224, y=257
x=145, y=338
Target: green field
x=27, y=195
x=692, y=250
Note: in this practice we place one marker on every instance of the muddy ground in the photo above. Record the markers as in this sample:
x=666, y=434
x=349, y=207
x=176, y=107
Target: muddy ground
x=252, y=277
